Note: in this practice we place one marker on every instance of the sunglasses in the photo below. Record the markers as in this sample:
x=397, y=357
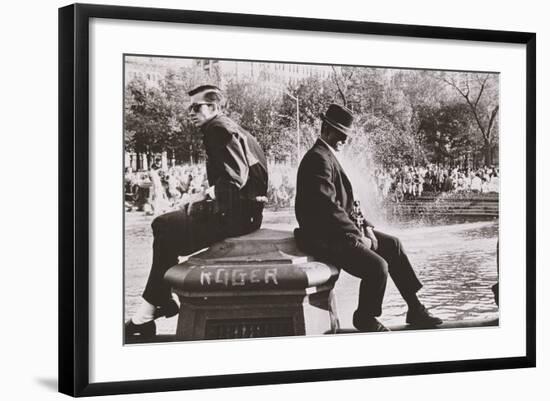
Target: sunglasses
x=195, y=107
x=343, y=138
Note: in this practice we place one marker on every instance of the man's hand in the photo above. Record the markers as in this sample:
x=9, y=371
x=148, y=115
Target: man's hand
x=372, y=237
x=210, y=192
x=367, y=242
x=187, y=205
x=261, y=199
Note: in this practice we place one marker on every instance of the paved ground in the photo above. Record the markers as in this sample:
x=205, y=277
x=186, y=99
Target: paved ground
x=455, y=261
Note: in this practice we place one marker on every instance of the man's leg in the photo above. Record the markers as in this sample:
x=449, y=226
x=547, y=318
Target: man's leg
x=177, y=234
x=405, y=279
x=174, y=234
x=399, y=266
x=170, y=238
x=355, y=258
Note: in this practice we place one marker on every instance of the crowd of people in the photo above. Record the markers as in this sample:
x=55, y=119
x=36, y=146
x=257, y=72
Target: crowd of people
x=400, y=183
x=157, y=190
x=281, y=186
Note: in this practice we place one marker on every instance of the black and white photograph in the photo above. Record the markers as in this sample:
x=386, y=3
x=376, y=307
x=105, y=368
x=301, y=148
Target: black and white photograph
x=269, y=199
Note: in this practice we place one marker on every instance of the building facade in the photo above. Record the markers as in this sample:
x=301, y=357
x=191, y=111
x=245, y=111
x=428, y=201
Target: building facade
x=277, y=76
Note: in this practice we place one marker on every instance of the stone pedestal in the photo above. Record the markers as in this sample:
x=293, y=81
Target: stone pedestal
x=257, y=285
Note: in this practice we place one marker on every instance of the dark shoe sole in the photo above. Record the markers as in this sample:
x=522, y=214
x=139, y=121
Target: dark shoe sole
x=134, y=333
x=168, y=310
x=425, y=324
x=372, y=327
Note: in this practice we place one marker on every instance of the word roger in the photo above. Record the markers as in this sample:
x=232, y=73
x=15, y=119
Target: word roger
x=238, y=277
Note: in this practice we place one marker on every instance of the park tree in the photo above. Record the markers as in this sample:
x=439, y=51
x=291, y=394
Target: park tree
x=156, y=118
x=314, y=94
x=386, y=144
x=254, y=107
x=383, y=117
x=447, y=132
x=185, y=142
x=420, y=92
x=146, y=119
x=343, y=79
x=479, y=91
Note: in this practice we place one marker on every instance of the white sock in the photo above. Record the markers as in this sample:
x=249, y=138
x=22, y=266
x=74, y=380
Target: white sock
x=145, y=313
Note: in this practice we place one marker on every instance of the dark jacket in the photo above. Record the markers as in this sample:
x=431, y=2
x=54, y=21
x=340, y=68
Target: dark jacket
x=235, y=165
x=324, y=197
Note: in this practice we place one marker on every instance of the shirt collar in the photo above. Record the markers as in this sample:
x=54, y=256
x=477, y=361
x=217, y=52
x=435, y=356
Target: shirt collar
x=333, y=151
x=329, y=147
x=336, y=155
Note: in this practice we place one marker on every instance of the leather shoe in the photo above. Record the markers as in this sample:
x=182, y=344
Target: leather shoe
x=167, y=310
x=420, y=317
x=368, y=324
x=139, y=332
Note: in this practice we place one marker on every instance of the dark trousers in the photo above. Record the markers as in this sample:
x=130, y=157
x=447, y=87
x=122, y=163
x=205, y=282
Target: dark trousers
x=181, y=233
x=372, y=267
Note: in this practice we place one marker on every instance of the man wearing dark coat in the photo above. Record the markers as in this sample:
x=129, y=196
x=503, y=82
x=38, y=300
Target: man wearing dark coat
x=330, y=230
x=236, y=168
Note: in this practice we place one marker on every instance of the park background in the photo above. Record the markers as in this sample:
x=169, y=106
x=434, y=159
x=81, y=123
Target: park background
x=29, y=339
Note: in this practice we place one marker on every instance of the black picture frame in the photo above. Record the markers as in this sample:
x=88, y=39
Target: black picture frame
x=74, y=194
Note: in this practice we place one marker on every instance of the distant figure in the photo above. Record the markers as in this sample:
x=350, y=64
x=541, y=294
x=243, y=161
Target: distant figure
x=158, y=199
x=398, y=194
x=448, y=185
x=328, y=230
x=494, y=288
x=476, y=184
x=494, y=185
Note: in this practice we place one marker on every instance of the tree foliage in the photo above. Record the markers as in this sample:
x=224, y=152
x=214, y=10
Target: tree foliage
x=402, y=116
x=479, y=91
x=156, y=118
x=255, y=108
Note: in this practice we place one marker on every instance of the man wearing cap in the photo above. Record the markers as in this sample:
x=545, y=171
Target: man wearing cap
x=236, y=168
x=324, y=208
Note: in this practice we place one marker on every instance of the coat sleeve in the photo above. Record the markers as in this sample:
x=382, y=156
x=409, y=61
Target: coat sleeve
x=318, y=183
x=226, y=156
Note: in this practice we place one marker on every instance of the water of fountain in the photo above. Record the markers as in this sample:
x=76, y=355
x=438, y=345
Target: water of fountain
x=359, y=168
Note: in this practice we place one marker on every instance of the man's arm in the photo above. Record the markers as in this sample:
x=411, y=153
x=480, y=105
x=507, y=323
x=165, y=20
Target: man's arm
x=187, y=204
x=227, y=158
